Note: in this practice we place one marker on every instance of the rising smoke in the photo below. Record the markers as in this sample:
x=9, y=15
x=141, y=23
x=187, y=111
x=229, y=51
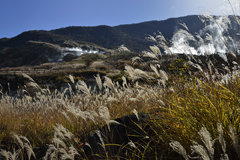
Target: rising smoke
x=218, y=36
x=76, y=51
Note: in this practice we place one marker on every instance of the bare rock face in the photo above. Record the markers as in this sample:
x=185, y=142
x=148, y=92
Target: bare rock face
x=69, y=57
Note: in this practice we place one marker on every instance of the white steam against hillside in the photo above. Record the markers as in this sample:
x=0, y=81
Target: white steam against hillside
x=76, y=51
x=216, y=37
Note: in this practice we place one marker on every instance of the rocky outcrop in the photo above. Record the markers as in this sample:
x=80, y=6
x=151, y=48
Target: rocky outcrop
x=130, y=129
x=69, y=57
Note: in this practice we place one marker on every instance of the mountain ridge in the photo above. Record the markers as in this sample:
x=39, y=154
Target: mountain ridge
x=135, y=30
x=133, y=36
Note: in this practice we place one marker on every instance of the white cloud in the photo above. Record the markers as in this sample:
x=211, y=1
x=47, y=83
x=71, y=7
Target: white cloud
x=215, y=7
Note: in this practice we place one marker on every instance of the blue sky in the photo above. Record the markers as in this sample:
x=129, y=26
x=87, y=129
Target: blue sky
x=17, y=16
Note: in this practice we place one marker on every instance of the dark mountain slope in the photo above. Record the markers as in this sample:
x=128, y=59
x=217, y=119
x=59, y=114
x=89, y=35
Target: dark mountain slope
x=36, y=35
x=18, y=48
x=167, y=27
x=105, y=36
x=132, y=35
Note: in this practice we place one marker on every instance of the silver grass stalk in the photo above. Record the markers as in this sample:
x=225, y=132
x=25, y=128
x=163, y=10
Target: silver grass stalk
x=224, y=157
x=199, y=61
x=71, y=153
x=66, y=133
x=151, y=38
x=87, y=144
x=207, y=140
x=222, y=141
x=235, y=63
x=191, y=56
x=27, y=146
x=66, y=116
x=8, y=87
x=160, y=37
x=223, y=56
x=104, y=114
x=209, y=38
x=133, y=99
x=124, y=82
x=233, y=54
x=53, y=156
x=52, y=151
x=131, y=144
x=24, y=138
x=177, y=147
x=58, y=134
x=90, y=115
x=164, y=75
x=231, y=39
x=136, y=113
x=155, y=50
x=209, y=64
x=154, y=68
x=200, y=150
x=184, y=25
x=5, y=154
x=81, y=114
x=195, y=65
x=14, y=155
x=58, y=142
x=223, y=24
x=233, y=135
x=83, y=87
x=162, y=103
x=108, y=82
x=227, y=19
x=201, y=41
x=18, y=140
x=130, y=71
x=117, y=84
x=207, y=16
x=149, y=54
x=99, y=133
x=64, y=155
x=136, y=84
x=134, y=59
x=165, y=47
x=163, y=82
x=156, y=62
x=106, y=94
x=139, y=74
x=70, y=89
x=99, y=81
x=33, y=84
x=29, y=150
x=206, y=75
x=185, y=34
x=27, y=77
x=46, y=91
x=71, y=78
x=111, y=99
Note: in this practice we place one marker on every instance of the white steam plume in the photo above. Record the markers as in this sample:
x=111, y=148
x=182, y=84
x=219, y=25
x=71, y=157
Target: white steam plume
x=213, y=38
x=77, y=51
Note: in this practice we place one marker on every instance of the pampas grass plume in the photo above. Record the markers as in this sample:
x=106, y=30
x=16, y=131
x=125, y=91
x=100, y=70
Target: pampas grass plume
x=176, y=146
x=71, y=78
